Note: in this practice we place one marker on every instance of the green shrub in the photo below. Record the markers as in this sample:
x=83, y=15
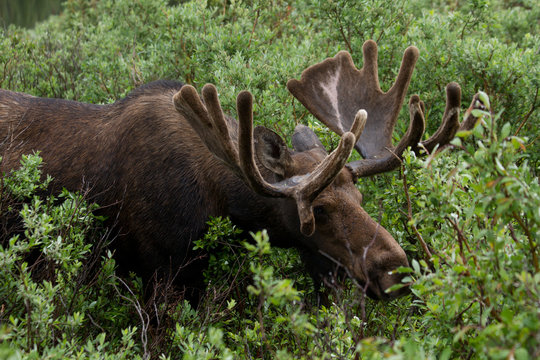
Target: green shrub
x=57, y=290
x=474, y=206
x=479, y=294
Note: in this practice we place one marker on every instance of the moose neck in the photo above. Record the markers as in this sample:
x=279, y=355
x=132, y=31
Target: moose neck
x=253, y=212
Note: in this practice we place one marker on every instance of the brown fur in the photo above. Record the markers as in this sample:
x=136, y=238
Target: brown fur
x=146, y=166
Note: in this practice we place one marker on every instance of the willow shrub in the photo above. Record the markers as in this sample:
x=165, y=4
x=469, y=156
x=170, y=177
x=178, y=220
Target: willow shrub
x=474, y=207
x=480, y=214
x=58, y=287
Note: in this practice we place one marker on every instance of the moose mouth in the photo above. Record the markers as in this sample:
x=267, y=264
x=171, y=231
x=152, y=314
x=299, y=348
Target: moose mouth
x=378, y=286
x=332, y=273
x=375, y=292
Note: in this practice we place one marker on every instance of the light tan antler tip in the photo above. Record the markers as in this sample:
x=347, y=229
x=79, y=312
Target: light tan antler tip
x=361, y=116
x=360, y=120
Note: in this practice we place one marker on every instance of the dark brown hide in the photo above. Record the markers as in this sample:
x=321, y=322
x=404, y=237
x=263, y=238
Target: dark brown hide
x=150, y=171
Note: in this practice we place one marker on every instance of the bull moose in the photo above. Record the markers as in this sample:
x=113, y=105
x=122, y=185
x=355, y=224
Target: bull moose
x=164, y=159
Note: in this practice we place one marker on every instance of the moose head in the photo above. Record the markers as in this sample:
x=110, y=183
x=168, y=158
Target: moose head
x=314, y=192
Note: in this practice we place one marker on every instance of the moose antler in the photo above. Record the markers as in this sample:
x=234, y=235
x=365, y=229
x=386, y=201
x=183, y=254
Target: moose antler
x=208, y=120
x=334, y=90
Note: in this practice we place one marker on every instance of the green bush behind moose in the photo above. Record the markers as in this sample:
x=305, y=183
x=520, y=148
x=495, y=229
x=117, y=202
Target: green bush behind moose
x=476, y=206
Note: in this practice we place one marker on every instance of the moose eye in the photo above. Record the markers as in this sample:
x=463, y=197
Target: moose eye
x=320, y=213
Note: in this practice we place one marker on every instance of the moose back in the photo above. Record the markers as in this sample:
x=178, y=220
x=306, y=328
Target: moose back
x=164, y=159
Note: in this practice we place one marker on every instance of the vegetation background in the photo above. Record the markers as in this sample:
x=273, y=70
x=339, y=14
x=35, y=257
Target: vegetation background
x=27, y=12
x=475, y=292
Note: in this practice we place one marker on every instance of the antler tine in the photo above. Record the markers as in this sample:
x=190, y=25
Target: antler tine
x=372, y=166
x=450, y=122
x=370, y=68
x=408, y=62
x=213, y=105
x=211, y=99
x=360, y=120
x=244, y=106
x=187, y=101
x=416, y=128
x=469, y=120
x=208, y=121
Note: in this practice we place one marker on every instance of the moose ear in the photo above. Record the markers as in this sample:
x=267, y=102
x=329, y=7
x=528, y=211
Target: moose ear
x=304, y=139
x=271, y=151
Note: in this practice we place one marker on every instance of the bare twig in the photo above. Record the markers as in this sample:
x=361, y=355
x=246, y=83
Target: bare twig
x=532, y=243
x=528, y=115
x=143, y=315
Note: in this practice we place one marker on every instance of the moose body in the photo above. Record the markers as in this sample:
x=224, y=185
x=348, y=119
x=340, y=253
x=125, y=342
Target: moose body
x=142, y=162
x=163, y=160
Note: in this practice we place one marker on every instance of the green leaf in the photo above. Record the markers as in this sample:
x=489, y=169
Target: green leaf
x=484, y=98
x=464, y=134
x=416, y=266
x=479, y=113
x=505, y=131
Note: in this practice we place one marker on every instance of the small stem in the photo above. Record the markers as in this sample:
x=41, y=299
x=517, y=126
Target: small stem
x=462, y=240
x=254, y=26
x=425, y=247
x=531, y=241
x=528, y=115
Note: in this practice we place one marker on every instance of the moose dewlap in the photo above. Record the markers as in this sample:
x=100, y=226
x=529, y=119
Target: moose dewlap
x=164, y=159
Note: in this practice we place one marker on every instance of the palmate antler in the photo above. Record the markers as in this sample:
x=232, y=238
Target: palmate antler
x=334, y=90
x=208, y=120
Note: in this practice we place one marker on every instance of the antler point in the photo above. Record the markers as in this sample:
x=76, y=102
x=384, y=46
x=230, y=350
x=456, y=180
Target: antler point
x=348, y=139
x=209, y=88
x=361, y=114
x=244, y=97
x=414, y=99
x=413, y=50
x=369, y=43
x=186, y=94
x=292, y=83
x=453, y=87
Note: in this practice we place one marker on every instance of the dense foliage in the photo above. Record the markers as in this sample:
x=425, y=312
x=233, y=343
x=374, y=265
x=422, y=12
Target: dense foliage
x=468, y=217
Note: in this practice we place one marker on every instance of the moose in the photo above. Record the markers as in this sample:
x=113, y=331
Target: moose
x=164, y=159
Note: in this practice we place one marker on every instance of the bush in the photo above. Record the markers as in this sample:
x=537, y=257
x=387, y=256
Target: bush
x=479, y=292
x=58, y=289
x=473, y=206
